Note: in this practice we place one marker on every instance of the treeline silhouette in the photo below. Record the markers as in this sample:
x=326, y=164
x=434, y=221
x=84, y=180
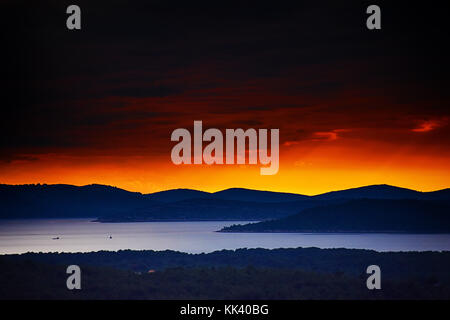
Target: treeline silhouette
x=349, y=261
x=22, y=279
x=302, y=273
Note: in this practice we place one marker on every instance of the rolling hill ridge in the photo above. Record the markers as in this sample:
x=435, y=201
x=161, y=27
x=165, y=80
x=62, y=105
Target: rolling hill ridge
x=111, y=204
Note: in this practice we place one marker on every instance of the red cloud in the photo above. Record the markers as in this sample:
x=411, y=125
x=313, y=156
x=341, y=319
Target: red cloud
x=329, y=135
x=428, y=125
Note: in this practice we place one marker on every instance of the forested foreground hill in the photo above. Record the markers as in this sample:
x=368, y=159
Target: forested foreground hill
x=21, y=280
x=241, y=274
x=361, y=215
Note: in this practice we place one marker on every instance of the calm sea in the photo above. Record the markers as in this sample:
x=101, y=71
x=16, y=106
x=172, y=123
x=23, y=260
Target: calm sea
x=82, y=235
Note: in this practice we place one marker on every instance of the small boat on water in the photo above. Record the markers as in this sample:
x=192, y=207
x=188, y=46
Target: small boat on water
x=56, y=238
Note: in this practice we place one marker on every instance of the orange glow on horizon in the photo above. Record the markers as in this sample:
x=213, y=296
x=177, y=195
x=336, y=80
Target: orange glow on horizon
x=304, y=169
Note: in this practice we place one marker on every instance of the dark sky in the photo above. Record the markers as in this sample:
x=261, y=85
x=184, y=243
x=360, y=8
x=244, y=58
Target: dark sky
x=140, y=69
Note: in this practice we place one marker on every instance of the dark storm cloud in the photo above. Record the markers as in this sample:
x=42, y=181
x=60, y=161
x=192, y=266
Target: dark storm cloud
x=147, y=66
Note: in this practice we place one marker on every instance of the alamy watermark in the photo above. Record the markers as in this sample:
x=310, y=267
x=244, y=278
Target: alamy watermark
x=235, y=140
x=74, y=280
x=374, y=280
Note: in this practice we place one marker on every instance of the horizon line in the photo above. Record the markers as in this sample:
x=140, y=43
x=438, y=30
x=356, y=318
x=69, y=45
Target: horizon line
x=165, y=190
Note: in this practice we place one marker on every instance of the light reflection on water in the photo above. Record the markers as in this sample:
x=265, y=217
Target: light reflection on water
x=82, y=235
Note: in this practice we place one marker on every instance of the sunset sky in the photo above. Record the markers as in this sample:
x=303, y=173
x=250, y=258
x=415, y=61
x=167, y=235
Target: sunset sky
x=354, y=107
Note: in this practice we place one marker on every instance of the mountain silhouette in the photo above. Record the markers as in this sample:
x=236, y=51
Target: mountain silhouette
x=238, y=194
x=383, y=191
x=175, y=195
x=111, y=204
x=66, y=201
x=257, y=196
x=362, y=215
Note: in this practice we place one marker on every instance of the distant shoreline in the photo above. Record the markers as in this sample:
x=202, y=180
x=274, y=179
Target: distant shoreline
x=332, y=232
x=174, y=220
